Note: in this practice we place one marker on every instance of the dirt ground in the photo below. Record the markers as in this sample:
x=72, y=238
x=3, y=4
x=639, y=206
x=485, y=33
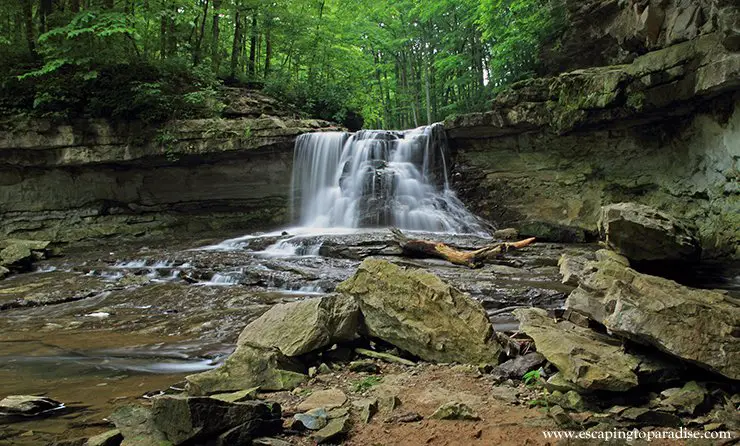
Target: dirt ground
x=506, y=417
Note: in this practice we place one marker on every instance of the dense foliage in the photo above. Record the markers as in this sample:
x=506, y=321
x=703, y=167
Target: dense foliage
x=397, y=63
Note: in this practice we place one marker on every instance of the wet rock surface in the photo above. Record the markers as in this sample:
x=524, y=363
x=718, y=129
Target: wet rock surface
x=133, y=321
x=698, y=326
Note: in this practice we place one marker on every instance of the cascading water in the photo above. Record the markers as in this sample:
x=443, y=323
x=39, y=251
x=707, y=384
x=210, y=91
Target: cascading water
x=376, y=178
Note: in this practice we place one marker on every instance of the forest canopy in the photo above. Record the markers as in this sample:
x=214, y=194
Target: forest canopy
x=393, y=64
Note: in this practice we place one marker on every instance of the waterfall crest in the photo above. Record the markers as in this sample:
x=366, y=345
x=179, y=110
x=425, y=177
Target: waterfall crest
x=376, y=178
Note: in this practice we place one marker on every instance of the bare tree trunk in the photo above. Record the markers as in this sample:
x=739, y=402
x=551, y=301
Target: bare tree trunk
x=252, y=67
x=471, y=259
x=199, y=43
x=235, y=48
x=215, y=54
x=28, y=21
x=427, y=87
x=268, y=48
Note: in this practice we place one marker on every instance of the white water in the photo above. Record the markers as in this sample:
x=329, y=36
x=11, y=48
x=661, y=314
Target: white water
x=377, y=178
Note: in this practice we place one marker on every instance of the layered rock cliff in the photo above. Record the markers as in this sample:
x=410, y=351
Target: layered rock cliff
x=90, y=179
x=662, y=130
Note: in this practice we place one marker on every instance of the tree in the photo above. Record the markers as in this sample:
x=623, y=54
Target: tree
x=397, y=63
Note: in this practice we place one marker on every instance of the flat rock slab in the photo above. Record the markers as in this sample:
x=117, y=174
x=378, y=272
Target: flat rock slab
x=327, y=399
x=50, y=288
x=699, y=326
x=27, y=405
x=642, y=233
x=588, y=359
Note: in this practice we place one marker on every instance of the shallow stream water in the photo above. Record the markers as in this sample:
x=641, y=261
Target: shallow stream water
x=96, y=328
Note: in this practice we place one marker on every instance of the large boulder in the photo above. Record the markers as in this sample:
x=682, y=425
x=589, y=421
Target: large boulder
x=589, y=360
x=249, y=366
x=137, y=426
x=296, y=328
x=261, y=358
x=20, y=254
x=175, y=420
x=642, y=233
x=190, y=419
x=416, y=311
x=699, y=326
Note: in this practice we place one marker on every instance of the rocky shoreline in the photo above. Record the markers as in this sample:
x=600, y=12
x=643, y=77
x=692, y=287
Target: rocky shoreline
x=626, y=350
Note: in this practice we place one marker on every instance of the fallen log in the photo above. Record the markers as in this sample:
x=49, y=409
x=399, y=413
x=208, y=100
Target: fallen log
x=472, y=259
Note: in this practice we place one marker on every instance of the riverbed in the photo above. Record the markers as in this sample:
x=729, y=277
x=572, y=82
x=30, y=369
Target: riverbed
x=100, y=327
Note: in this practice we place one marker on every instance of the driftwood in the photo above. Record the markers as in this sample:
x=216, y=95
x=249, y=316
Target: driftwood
x=471, y=259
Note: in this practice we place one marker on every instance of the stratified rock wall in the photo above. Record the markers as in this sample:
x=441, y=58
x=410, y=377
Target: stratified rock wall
x=663, y=130
x=88, y=179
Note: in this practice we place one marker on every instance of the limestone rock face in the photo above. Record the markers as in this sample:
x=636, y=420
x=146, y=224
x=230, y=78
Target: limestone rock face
x=88, y=179
x=249, y=366
x=583, y=357
x=699, y=326
x=552, y=151
x=642, y=233
x=296, y=328
x=416, y=311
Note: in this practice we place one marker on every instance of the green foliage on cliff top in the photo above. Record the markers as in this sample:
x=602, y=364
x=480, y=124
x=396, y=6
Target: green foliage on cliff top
x=397, y=63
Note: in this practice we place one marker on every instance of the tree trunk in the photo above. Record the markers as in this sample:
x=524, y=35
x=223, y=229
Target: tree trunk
x=172, y=33
x=163, y=37
x=199, y=44
x=215, y=54
x=268, y=49
x=235, y=46
x=252, y=68
x=471, y=259
x=28, y=19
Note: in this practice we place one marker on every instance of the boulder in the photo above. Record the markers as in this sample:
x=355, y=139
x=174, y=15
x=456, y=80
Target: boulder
x=109, y=438
x=417, y=312
x=20, y=254
x=516, y=368
x=249, y=366
x=642, y=233
x=570, y=400
x=588, y=359
x=728, y=19
x=4, y=272
x=685, y=400
x=137, y=427
x=191, y=419
x=296, y=328
x=699, y=326
x=17, y=256
x=27, y=405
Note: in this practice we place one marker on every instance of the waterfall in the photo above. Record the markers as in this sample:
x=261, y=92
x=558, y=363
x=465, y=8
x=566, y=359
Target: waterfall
x=376, y=178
